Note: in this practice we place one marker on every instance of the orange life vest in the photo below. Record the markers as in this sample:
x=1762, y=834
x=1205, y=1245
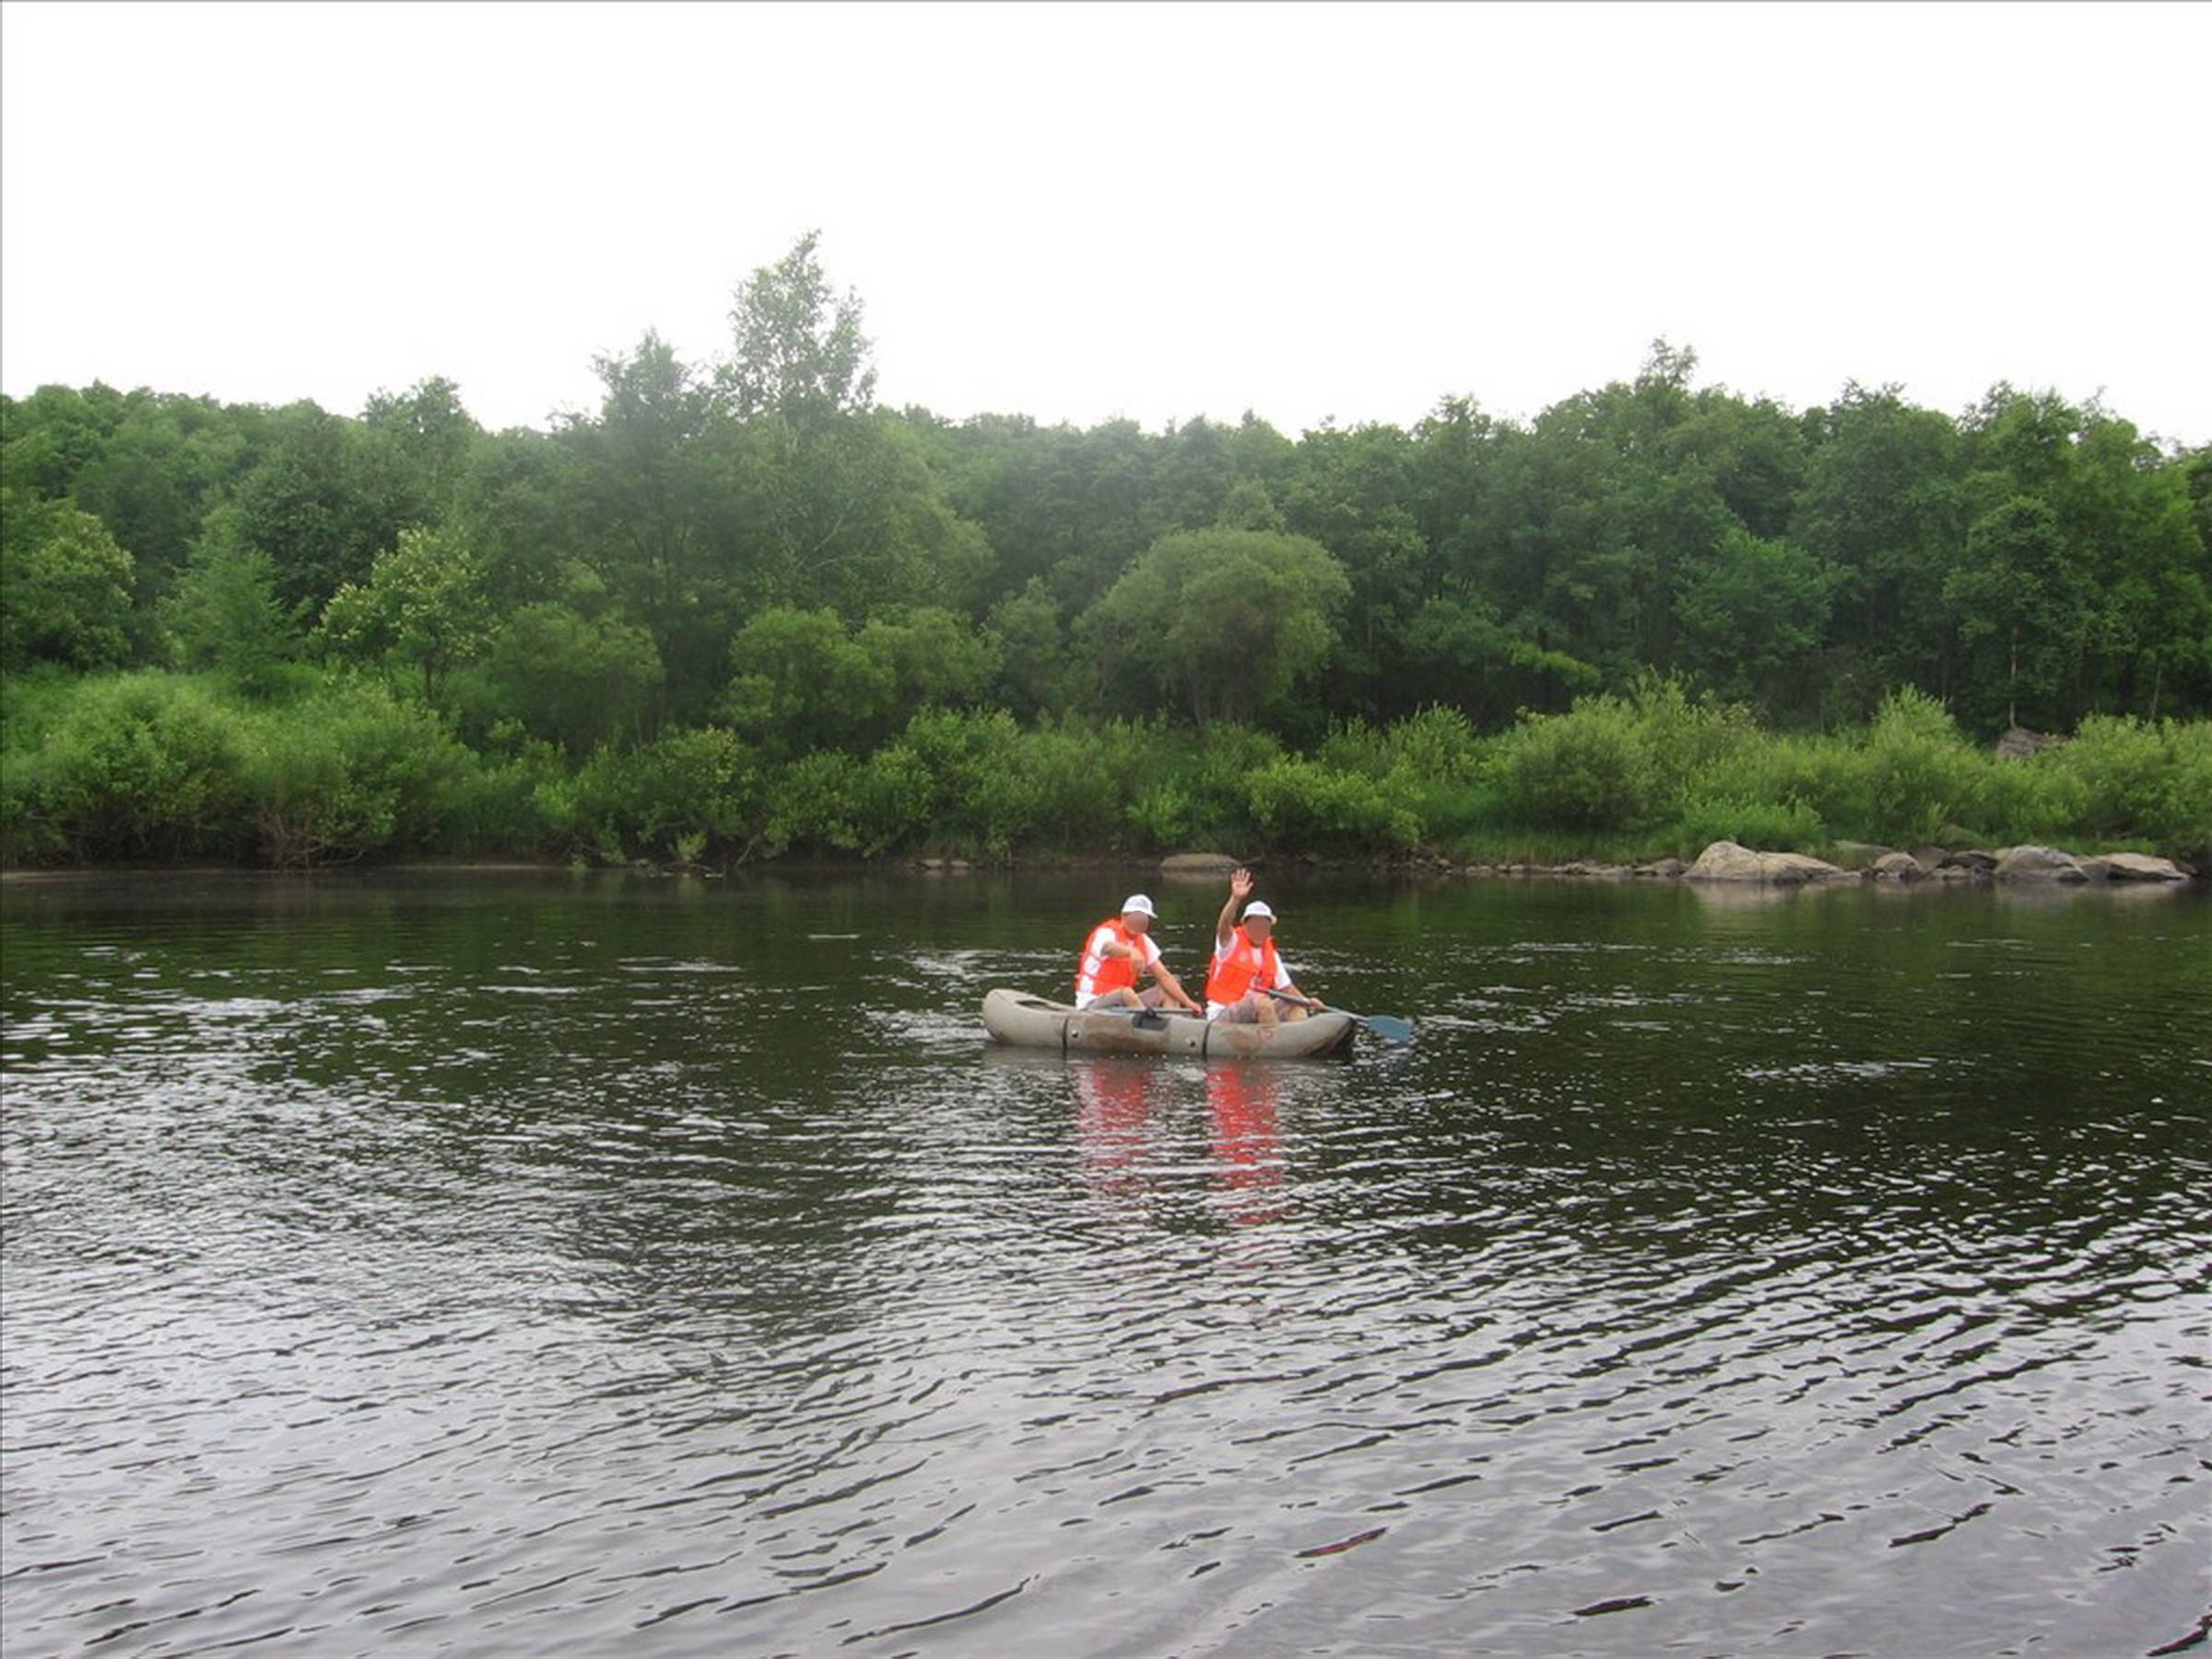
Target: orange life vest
x=1236, y=973
x=1096, y=975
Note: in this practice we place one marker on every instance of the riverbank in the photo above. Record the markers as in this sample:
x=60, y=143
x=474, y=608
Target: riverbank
x=149, y=766
x=1723, y=861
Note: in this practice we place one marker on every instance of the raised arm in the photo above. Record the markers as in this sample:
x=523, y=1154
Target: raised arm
x=1240, y=889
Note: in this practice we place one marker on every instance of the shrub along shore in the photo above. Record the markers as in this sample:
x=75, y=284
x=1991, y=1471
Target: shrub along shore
x=340, y=769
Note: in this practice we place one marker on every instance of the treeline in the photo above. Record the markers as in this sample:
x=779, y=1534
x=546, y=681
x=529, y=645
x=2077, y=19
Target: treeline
x=743, y=607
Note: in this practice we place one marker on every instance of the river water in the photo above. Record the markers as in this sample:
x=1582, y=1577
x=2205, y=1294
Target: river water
x=495, y=1264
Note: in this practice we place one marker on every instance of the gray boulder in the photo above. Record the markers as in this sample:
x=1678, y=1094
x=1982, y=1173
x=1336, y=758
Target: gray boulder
x=1725, y=861
x=2037, y=864
x=2137, y=867
x=1897, y=867
x=1197, y=863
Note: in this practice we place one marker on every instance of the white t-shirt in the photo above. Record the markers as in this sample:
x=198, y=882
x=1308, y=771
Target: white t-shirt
x=1094, y=958
x=1282, y=973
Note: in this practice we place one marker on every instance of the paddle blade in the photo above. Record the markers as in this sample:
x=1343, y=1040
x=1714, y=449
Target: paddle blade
x=1388, y=1027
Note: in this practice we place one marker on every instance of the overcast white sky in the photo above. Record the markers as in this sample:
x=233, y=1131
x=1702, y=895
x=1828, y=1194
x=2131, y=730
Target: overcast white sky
x=1077, y=212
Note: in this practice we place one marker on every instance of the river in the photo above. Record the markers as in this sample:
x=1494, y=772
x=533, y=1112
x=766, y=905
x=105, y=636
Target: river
x=510, y=1262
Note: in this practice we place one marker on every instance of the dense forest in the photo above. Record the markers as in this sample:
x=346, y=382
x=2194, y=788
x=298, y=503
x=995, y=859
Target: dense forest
x=742, y=610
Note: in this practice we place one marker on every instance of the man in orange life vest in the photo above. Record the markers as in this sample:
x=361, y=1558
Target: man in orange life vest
x=1245, y=969
x=1118, y=952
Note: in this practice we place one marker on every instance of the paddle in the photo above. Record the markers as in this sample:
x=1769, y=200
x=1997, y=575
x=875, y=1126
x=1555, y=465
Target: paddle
x=1388, y=1027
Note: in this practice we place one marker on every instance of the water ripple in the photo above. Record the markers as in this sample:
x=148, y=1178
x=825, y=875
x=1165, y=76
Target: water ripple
x=503, y=1272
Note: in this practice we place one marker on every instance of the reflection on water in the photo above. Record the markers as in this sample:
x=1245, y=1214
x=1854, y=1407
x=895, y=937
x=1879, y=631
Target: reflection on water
x=502, y=1265
x=1126, y=1119
x=1241, y=1104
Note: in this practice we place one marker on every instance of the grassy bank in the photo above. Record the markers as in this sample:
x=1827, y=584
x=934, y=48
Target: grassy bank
x=336, y=767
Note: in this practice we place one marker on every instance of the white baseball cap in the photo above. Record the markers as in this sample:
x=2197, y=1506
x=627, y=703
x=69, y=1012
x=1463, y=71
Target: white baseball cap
x=1258, y=907
x=1140, y=904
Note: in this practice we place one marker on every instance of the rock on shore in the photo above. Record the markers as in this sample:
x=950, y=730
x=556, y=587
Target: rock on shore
x=1725, y=861
x=2139, y=866
x=1197, y=863
x=2037, y=864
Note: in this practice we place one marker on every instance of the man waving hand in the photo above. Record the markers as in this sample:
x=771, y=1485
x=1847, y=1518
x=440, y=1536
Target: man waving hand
x=1246, y=970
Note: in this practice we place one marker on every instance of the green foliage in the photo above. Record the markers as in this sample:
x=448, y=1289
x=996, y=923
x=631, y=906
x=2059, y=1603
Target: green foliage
x=800, y=354
x=1025, y=632
x=224, y=614
x=1308, y=806
x=810, y=806
x=138, y=766
x=1224, y=622
x=2021, y=605
x=349, y=773
x=1750, y=611
x=1338, y=621
x=64, y=587
x=799, y=681
x=575, y=682
x=933, y=657
x=1587, y=769
x=644, y=803
x=1771, y=826
x=424, y=608
x=2136, y=778
x=1921, y=776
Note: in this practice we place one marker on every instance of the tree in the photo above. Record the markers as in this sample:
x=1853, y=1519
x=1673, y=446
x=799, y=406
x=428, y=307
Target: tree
x=65, y=586
x=934, y=657
x=800, y=354
x=1032, y=650
x=320, y=505
x=1225, y=622
x=578, y=682
x=1882, y=508
x=1353, y=494
x=224, y=613
x=423, y=607
x=1749, y=613
x=799, y=681
x=2019, y=606
x=429, y=431
x=642, y=497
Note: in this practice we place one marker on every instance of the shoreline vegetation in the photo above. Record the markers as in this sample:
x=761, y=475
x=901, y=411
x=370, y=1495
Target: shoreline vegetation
x=741, y=613
x=161, y=767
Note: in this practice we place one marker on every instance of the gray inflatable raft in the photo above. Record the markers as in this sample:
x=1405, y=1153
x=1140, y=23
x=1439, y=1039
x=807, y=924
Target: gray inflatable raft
x=1021, y=1020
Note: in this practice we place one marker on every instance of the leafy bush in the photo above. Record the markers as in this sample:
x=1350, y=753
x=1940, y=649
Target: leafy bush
x=643, y=802
x=809, y=804
x=1305, y=805
x=1435, y=745
x=1774, y=827
x=1066, y=790
x=350, y=773
x=1921, y=776
x=1586, y=769
x=2134, y=778
x=138, y=766
x=1686, y=733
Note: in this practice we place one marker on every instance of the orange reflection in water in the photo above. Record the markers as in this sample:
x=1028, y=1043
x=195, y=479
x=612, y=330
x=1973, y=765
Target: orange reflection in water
x=1123, y=1107
x=1248, y=1158
x=1113, y=1111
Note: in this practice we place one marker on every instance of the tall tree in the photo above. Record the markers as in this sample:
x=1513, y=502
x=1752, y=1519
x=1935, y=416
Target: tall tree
x=423, y=607
x=1225, y=622
x=223, y=612
x=800, y=354
x=2020, y=607
x=65, y=586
